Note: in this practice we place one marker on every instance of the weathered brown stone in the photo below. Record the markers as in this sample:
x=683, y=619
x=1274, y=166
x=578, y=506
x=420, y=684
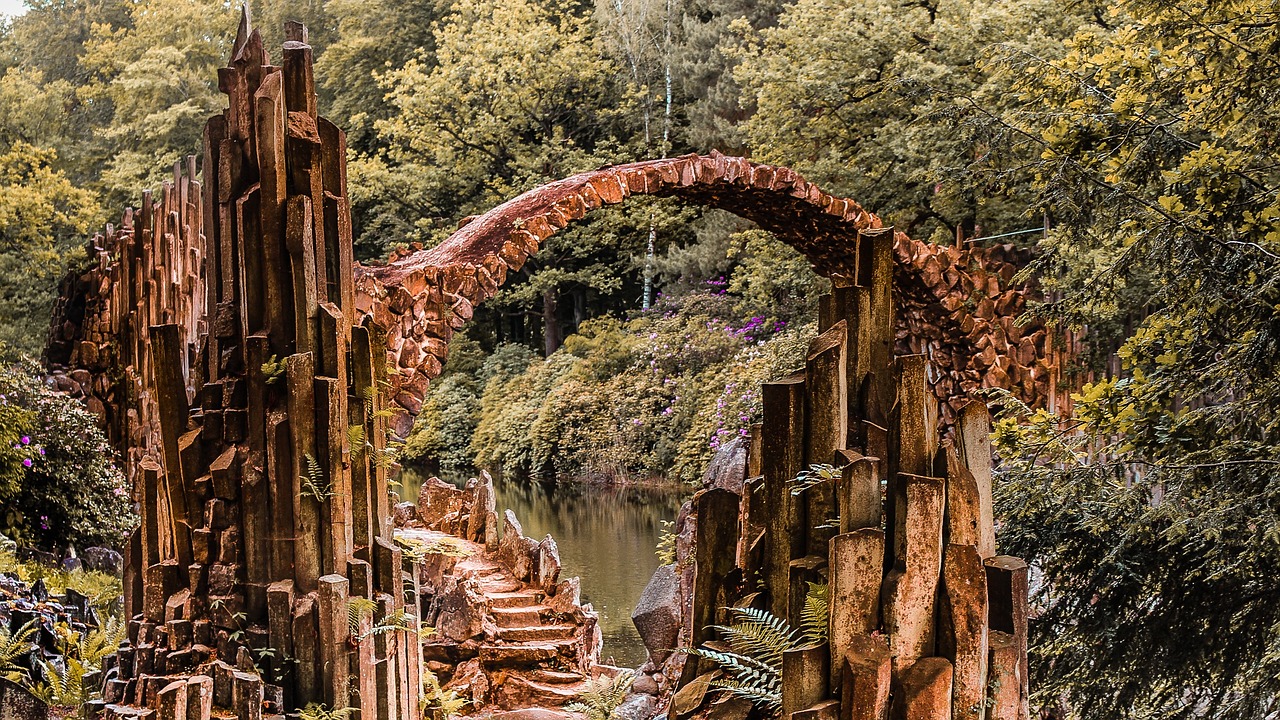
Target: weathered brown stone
x=805, y=673
x=856, y=569
x=962, y=628
x=925, y=691
x=866, y=671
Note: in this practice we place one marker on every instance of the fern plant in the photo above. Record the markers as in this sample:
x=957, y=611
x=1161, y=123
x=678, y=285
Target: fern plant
x=437, y=702
x=814, y=627
x=358, y=608
x=318, y=711
x=13, y=646
x=274, y=368
x=813, y=475
x=314, y=483
x=666, y=550
x=65, y=687
x=603, y=695
x=752, y=666
x=356, y=440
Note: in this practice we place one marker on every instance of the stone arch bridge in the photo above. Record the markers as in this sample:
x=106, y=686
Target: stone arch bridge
x=235, y=353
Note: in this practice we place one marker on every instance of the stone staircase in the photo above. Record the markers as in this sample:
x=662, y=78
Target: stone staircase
x=510, y=633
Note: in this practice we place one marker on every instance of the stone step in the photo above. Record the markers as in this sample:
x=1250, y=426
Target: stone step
x=537, y=633
x=528, y=655
x=557, y=677
x=499, y=584
x=515, y=617
x=519, y=691
x=514, y=599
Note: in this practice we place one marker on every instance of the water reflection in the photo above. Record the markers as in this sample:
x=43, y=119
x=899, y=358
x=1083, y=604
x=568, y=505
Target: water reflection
x=606, y=537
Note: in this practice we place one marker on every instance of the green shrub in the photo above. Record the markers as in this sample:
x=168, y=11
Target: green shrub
x=58, y=485
x=653, y=395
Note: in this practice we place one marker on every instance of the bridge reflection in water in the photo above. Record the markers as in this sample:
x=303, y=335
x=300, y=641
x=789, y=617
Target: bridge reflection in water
x=606, y=536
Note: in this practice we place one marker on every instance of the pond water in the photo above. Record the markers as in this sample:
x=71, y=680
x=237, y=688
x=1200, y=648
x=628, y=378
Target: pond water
x=606, y=536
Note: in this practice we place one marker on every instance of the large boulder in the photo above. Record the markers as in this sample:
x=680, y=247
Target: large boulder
x=461, y=613
x=728, y=468
x=437, y=499
x=16, y=703
x=657, y=614
x=639, y=706
x=511, y=545
x=482, y=507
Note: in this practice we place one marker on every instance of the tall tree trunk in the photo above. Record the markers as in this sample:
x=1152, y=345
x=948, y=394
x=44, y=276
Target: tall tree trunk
x=552, y=332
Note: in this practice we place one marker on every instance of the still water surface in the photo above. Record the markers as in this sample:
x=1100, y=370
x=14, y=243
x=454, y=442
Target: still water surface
x=606, y=536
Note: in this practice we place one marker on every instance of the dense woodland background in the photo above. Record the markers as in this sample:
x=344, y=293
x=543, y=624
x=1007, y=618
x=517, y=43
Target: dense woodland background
x=1144, y=133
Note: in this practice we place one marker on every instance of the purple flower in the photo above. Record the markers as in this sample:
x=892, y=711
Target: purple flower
x=27, y=462
x=26, y=439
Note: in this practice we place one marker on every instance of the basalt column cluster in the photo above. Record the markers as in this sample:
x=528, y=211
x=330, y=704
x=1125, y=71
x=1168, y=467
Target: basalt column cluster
x=265, y=511
x=926, y=620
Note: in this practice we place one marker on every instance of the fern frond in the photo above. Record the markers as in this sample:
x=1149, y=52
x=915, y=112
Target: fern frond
x=770, y=702
x=357, y=609
x=274, y=368
x=356, y=441
x=602, y=695
x=814, y=627
x=813, y=475
x=314, y=483
x=758, y=634
x=397, y=621
x=14, y=645
x=318, y=711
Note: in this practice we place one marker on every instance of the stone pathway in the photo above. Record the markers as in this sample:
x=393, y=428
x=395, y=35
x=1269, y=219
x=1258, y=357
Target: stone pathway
x=503, y=642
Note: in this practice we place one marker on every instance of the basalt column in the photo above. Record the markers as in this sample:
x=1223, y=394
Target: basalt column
x=266, y=513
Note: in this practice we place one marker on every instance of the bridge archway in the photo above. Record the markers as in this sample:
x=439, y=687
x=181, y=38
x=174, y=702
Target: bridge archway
x=946, y=299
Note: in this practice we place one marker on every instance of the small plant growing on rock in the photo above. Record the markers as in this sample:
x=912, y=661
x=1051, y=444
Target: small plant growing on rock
x=319, y=711
x=814, y=627
x=438, y=703
x=752, y=666
x=603, y=695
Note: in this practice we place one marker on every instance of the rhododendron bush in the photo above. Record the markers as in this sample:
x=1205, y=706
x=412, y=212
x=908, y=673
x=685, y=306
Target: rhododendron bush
x=58, y=485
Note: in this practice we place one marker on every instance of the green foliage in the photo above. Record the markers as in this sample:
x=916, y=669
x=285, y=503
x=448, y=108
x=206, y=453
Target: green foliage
x=67, y=490
x=315, y=484
x=872, y=99
x=65, y=687
x=42, y=220
x=320, y=711
x=752, y=666
x=1152, y=510
x=602, y=695
x=657, y=394
x=14, y=645
x=514, y=94
x=814, y=626
x=437, y=701
x=812, y=475
x=158, y=73
x=274, y=369
x=359, y=608
x=666, y=550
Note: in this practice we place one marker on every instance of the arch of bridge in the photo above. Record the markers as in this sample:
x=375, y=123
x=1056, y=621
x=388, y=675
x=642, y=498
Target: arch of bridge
x=422, y=297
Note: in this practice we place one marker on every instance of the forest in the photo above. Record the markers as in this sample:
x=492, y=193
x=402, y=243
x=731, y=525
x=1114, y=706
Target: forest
x=1131, y=148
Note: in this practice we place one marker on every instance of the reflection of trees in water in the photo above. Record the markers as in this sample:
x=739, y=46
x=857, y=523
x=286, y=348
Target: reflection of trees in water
x=607, y=537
